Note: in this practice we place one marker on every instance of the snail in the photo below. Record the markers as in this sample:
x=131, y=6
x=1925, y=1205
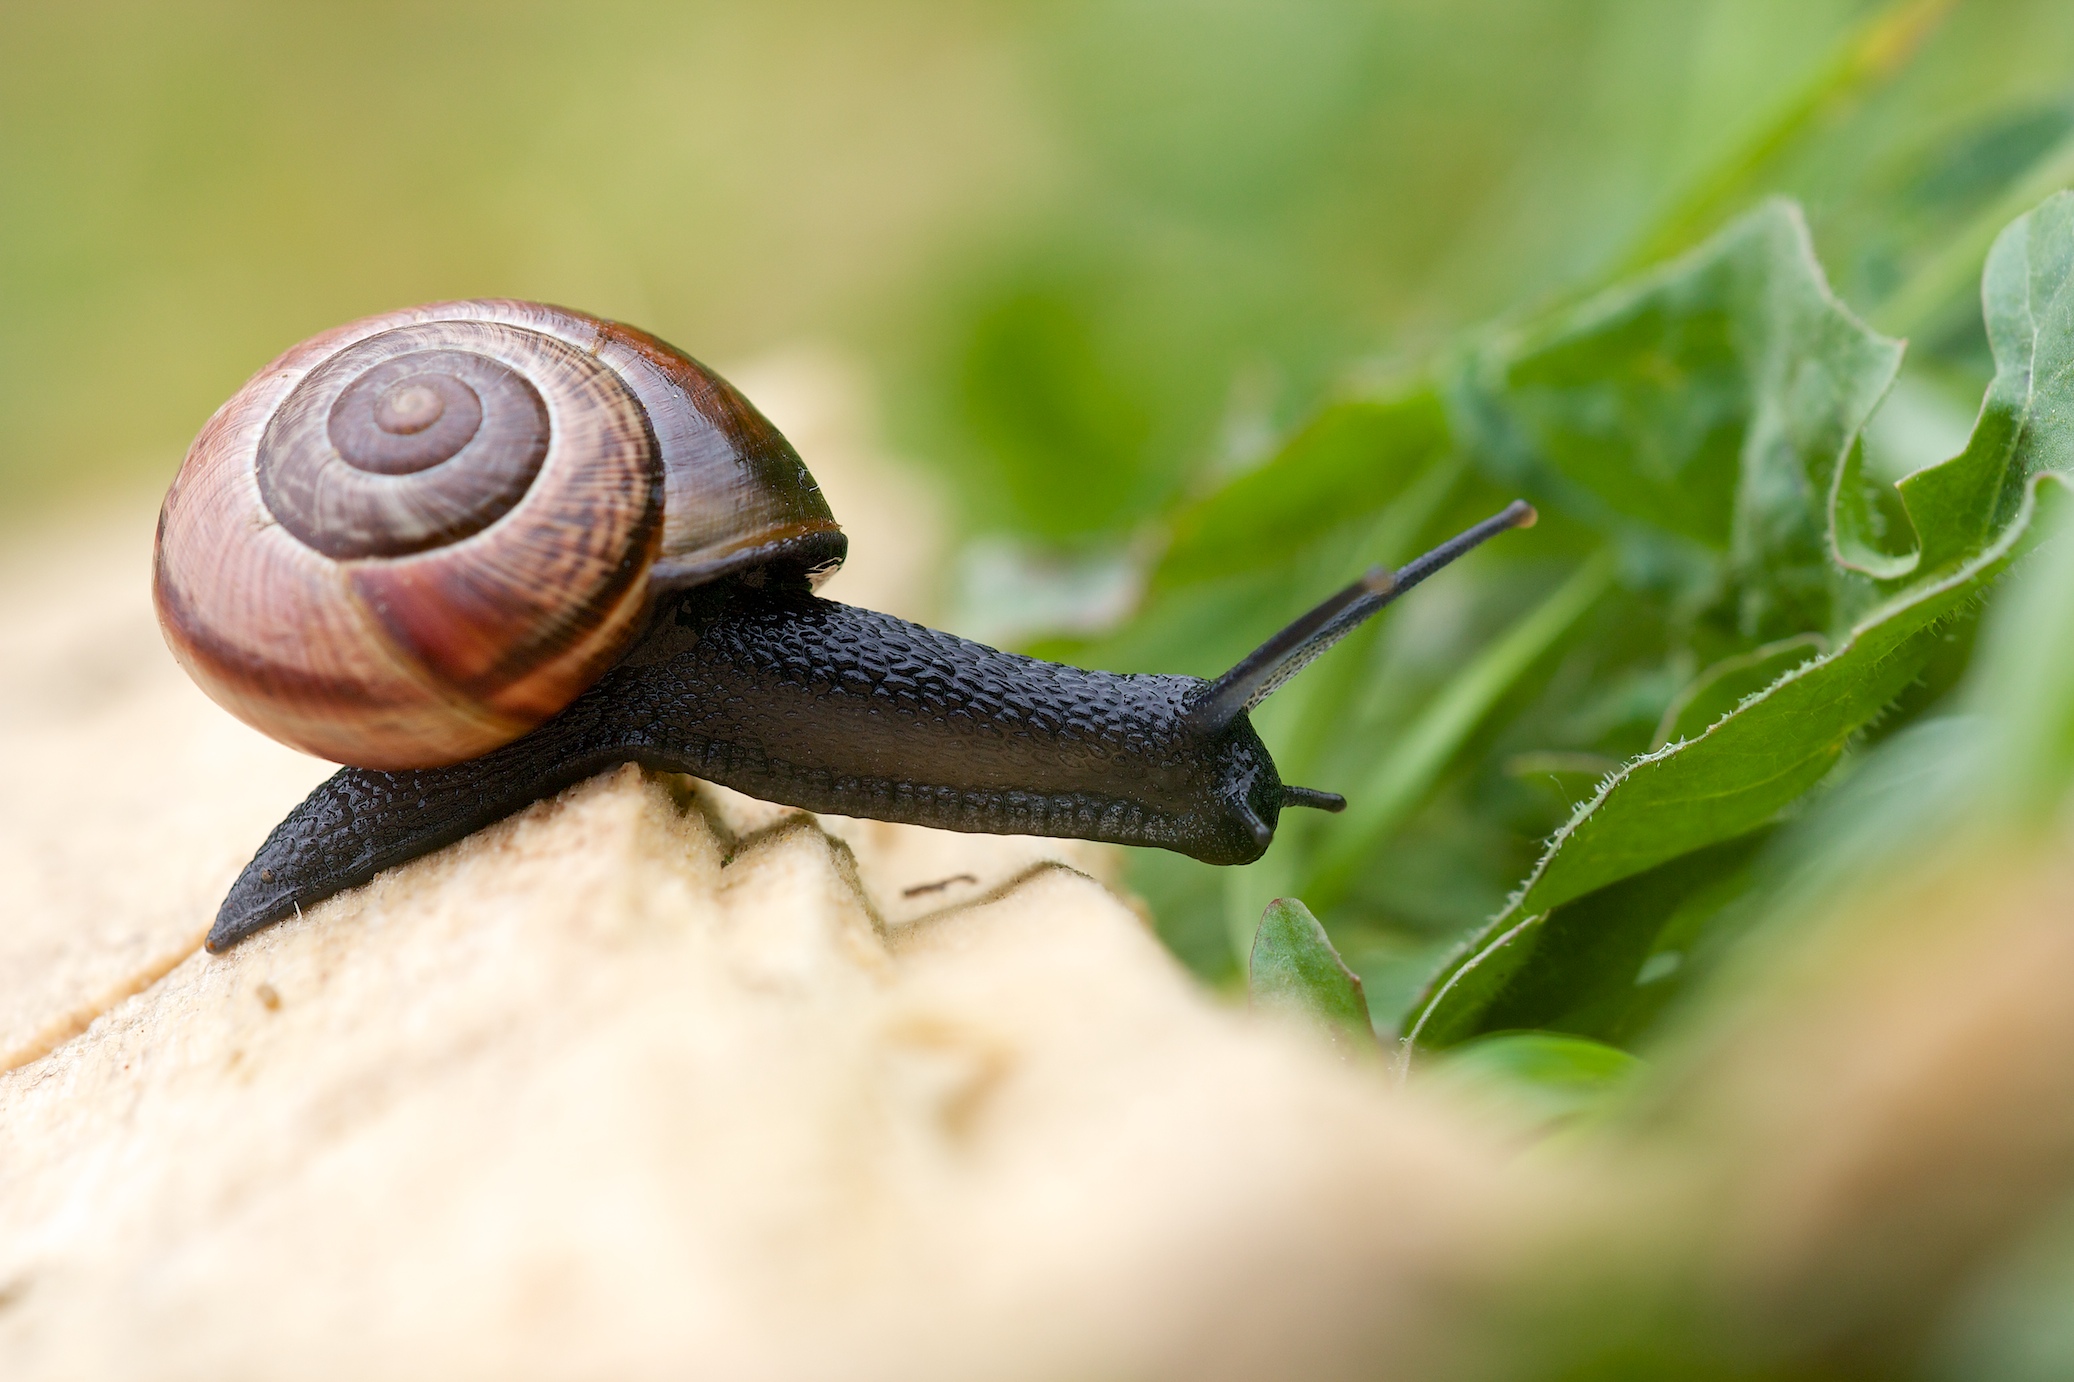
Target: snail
x=478, y=551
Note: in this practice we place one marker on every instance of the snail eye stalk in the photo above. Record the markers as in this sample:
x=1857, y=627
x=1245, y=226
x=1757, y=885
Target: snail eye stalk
x=1261, y=672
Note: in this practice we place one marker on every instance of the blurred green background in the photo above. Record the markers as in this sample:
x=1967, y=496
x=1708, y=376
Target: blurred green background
x=1092, y=250
x=1099, y=259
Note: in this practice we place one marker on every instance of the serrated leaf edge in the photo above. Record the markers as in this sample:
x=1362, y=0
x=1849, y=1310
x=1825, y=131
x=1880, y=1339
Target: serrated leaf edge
x=1480, y=946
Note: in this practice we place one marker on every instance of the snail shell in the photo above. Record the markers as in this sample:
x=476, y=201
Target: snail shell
x=417, y=536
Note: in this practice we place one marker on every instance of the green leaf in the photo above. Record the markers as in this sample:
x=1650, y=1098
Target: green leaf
x=1870, y=524
x=1352, y=460
x=1737, y=774
x=1713, y=400
x=1552, y=1079
x=2027, y=420
x=1603, y=965
x=1295, y=969
x=1722, y=687
x=1730, y=780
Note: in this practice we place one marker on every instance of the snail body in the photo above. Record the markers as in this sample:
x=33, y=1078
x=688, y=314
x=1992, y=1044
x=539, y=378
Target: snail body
x=831, y=708
x=481, y=550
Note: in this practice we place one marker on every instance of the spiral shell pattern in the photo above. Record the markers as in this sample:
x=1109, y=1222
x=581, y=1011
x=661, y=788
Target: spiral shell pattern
x=413, y=538
x=400, y=443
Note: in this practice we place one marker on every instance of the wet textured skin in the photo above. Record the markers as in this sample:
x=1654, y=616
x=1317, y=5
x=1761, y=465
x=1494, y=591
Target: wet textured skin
x=799, y=700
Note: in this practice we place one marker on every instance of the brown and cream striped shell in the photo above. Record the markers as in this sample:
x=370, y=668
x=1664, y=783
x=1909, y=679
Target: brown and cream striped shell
x=417, y=536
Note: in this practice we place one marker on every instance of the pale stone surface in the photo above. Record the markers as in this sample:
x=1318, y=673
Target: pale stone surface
x=609, y=1091
x=131, y=800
